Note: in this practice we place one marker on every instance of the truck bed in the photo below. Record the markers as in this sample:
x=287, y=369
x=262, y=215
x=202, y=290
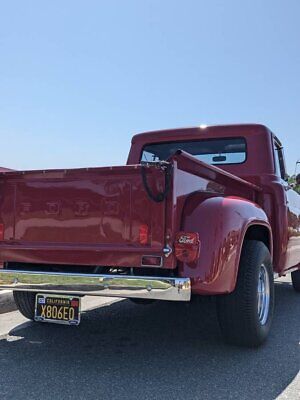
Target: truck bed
x=104, y=216
x=80, y=216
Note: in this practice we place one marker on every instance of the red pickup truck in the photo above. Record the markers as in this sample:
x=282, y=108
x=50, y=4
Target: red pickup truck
x=195, y=212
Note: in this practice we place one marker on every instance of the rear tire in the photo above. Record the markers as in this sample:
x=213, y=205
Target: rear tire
x=245, y=315
x=25, y=302
x=296, y=280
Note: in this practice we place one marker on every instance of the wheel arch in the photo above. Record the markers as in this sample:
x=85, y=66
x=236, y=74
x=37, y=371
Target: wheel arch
x=254, y=230
x=261, y=232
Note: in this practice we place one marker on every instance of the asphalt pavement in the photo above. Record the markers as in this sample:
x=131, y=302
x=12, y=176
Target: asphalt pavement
x=158, y=351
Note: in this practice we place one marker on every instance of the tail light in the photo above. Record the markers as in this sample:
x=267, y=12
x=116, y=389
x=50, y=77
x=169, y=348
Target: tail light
x=187, y=246
x=144, y=234
x=1, y=231
x=151, y=261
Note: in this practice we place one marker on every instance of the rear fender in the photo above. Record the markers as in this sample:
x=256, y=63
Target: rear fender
x=222, y=224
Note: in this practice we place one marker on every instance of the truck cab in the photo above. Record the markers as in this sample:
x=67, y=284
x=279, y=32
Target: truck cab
x=252, y=153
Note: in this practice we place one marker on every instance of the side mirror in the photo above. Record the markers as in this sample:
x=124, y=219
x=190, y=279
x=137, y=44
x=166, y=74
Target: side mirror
x=286, y=177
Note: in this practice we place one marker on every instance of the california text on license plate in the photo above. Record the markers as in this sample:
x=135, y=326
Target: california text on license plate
x=59, y=309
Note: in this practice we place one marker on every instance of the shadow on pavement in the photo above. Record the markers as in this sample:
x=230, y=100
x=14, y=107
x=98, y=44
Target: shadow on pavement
x=159, y=351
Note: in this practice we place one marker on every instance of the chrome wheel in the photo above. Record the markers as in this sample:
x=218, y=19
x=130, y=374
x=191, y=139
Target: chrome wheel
x=263, y=295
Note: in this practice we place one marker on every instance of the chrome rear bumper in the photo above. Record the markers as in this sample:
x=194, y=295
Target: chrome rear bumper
x=139, y=287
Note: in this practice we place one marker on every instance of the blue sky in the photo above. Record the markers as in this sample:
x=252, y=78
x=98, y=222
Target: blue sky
x=79, y=78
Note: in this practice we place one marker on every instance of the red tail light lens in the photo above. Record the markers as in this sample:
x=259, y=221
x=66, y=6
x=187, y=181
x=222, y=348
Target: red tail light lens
x=1, y=232
x=151, y=261
x=187, y=246
x=144, y=234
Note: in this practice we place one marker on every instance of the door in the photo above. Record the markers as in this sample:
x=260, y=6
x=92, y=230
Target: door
x=292, y=258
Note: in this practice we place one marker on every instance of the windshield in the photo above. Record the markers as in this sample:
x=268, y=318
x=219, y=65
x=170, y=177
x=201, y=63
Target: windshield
x=211, y=151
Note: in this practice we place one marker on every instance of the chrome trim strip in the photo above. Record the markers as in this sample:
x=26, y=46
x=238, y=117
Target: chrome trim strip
x=141, y=287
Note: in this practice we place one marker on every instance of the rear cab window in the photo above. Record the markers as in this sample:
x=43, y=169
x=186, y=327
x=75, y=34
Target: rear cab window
x=221, y=151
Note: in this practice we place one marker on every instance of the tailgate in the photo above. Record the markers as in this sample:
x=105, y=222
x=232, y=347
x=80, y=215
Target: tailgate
x=99, y=216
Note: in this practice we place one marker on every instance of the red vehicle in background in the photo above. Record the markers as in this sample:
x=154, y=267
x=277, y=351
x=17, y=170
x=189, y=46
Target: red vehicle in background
x=195, y=212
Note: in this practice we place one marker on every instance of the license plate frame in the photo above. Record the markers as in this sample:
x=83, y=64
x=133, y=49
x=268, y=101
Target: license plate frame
x=57, y=309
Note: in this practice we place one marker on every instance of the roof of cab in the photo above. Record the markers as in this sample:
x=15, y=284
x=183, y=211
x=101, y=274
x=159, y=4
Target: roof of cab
x=199, y=131
x=3, y=169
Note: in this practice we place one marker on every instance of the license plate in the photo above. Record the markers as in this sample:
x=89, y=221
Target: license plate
x=57, y=309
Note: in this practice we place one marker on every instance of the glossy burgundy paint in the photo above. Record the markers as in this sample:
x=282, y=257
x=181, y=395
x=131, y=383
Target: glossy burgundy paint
x=87, y=217
x=103, y=216
x=2, y=169
x=280, y=203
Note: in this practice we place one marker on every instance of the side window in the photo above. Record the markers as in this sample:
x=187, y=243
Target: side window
x=279, y=161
